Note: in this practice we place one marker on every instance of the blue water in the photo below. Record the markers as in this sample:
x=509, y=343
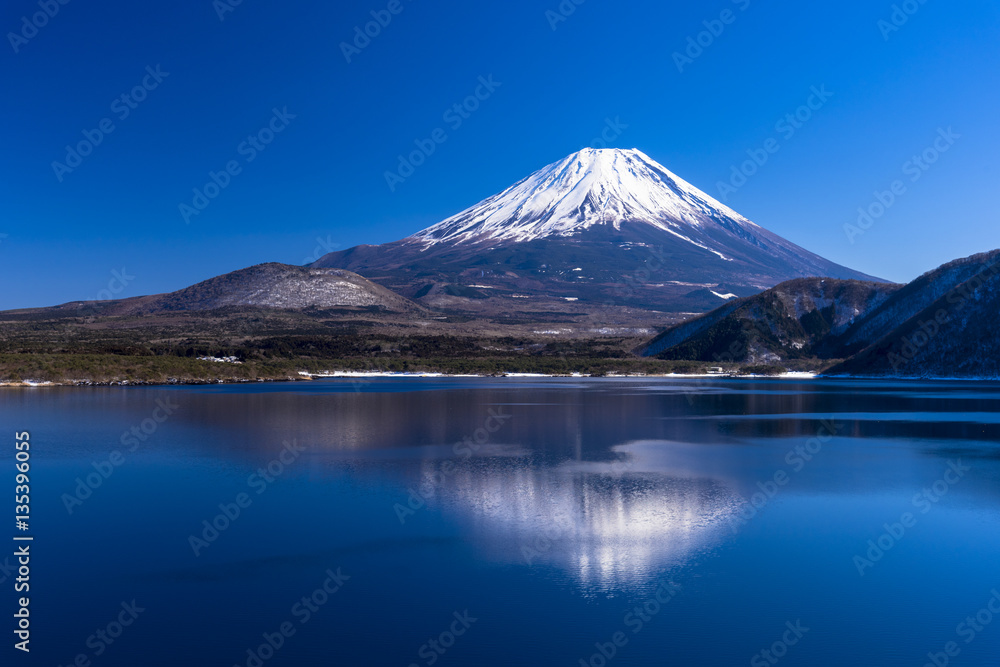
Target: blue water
x=513, y=522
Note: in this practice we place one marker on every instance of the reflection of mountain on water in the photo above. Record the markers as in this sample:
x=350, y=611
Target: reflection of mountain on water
x=561, y=417
x=609, y=525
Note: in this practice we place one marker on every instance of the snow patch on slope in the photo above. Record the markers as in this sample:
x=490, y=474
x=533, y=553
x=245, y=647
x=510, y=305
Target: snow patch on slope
x=589, y=188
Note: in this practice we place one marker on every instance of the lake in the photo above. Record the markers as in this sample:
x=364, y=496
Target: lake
x=513, y=521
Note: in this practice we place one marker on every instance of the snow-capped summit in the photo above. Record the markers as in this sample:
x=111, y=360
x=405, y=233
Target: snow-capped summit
x=592, y=187
x=599, y=227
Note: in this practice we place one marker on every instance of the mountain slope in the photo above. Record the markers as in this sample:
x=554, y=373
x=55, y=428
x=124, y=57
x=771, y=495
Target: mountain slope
x=909, y=301
x=587, y=189
x=602, y=227
x=274, y=286
x=956, y=335
x=786, y=322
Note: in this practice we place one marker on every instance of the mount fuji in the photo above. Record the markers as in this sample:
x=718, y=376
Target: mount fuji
x=599, y=227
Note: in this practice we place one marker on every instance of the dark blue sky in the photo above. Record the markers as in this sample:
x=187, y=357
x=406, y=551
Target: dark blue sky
x=323, y=175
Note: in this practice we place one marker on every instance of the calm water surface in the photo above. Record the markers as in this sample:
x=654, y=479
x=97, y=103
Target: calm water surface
x=515, y=522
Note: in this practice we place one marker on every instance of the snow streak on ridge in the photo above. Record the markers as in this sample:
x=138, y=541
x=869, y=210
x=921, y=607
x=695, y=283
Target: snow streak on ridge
x=591, y=187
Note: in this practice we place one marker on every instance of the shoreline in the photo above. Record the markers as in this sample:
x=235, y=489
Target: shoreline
x=309, y=377
x=347, y=375
x=303, y=376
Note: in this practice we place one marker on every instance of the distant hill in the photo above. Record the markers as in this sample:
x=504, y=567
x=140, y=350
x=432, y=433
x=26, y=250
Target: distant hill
x=273, y=286
x=905, y=304
x=946, y=323
x=954, y=334
x=789, y=321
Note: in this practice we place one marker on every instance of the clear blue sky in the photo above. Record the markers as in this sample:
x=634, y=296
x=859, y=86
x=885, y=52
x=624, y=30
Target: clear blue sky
x=323, y=174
